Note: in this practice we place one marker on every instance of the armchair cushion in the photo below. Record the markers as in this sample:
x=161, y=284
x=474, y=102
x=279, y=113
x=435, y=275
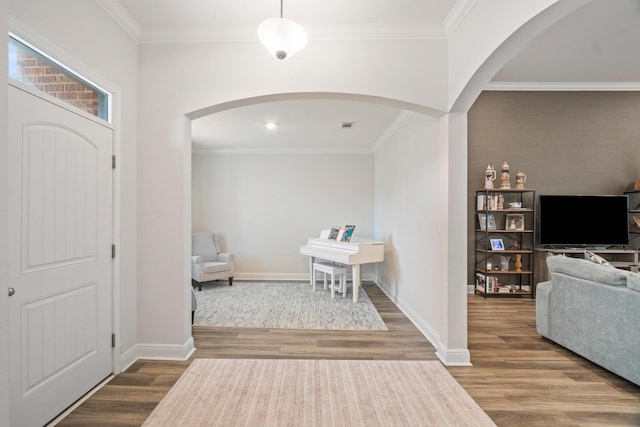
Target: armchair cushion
x=204, y=245
x=215, y=267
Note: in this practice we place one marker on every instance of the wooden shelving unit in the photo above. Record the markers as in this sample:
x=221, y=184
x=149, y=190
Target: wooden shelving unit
x=506, y=216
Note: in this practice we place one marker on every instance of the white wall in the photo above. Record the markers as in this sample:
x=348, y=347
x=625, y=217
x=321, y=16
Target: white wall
x=411, y=218
x=266, y=205
x=113, y=65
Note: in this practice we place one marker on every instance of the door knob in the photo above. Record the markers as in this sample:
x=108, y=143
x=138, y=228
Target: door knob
x=11, y=291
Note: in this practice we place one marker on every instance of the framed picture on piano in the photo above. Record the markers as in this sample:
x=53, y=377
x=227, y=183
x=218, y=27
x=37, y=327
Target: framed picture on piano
x=333, y=234
x=348, y=233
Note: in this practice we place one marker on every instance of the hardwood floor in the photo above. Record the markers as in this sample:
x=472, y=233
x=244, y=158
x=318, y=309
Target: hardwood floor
x=517, y=377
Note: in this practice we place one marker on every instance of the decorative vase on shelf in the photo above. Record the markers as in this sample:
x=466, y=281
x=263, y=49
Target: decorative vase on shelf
x=518, y=262
x=489, y=177
x=505, y=177
x=521, y=178
x=504, y=262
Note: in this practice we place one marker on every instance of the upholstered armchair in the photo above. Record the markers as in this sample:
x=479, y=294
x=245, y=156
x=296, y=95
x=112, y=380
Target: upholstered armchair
x=207, y=263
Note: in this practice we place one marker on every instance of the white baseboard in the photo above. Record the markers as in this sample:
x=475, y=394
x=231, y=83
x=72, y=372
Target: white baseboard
x=257, y=277
x=449, y=357
x=157, y=352
x=128, y=358
x=454, y=357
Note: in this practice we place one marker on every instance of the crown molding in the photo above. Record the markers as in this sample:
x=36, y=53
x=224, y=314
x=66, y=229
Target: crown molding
x=122, y=17
x=563, y=86
x=266, y=151
x=392, y=129
x=457, y=15
x=152, y=35
x=248, y=34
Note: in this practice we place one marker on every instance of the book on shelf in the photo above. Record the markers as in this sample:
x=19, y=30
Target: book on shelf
x=491, y=282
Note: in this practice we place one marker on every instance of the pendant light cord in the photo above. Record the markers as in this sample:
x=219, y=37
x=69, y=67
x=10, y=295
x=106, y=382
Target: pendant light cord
x=281, y=6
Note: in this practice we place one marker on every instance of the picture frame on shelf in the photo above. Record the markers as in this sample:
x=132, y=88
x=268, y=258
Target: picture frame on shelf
x=487, y=221
x=514, y=222
x=497, y=244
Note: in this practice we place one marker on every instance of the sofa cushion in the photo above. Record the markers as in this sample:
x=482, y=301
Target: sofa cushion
x=590, y=256
x=633, y=281
x=587, y=270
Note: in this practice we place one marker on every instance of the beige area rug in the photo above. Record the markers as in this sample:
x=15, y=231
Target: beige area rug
x=300, y=393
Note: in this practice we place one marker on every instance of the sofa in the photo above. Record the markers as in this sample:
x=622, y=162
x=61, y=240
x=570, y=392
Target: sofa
x=593, y=310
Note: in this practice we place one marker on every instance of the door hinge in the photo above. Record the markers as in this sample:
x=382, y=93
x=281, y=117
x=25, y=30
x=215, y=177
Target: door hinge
x=113, y=251
x=113, y=162
x=113, y=340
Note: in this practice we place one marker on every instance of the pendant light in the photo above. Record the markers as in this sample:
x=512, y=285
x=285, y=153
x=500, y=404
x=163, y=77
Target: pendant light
x=282, y=37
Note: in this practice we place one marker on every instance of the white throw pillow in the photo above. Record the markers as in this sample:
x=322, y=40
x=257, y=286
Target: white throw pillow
x=590, y=256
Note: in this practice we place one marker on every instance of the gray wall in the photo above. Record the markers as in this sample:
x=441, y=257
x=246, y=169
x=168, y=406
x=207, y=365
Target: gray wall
x=565, y=142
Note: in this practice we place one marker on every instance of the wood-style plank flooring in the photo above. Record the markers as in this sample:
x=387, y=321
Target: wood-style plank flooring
x=518, y=378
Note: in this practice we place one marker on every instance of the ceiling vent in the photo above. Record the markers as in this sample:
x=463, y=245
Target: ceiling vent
x=348, y=125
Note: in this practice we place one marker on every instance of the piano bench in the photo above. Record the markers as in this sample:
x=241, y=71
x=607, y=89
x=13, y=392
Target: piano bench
x=333, y=270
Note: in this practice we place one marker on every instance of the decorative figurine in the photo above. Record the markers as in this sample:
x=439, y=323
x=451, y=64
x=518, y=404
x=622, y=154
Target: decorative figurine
x=504, y=180
x=518, y=262
x=521, y=178
x=489, y=177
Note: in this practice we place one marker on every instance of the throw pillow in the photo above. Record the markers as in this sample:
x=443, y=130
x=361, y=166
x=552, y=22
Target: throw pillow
x=587, y=270
x=633, y=281
x=590, y=256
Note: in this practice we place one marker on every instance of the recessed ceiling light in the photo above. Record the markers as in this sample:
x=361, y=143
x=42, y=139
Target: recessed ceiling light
x=348, y=125
x=271, y=126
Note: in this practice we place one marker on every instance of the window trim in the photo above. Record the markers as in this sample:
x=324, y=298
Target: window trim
x=105, y=110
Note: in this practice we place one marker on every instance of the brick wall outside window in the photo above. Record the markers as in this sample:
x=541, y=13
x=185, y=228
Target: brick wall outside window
x=37, y=73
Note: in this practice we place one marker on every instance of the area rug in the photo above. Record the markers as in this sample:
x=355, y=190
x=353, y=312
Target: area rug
x=238, y=392
x=292, y=305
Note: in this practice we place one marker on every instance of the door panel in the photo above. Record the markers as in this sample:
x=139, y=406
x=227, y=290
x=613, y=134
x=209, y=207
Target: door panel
x=59, y=212
x=60, y=222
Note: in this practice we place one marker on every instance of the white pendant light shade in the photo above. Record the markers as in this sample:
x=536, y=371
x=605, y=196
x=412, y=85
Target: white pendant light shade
x=282, y=37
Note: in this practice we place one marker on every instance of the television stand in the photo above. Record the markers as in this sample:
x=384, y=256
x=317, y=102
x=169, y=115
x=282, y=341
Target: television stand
x=620, y=257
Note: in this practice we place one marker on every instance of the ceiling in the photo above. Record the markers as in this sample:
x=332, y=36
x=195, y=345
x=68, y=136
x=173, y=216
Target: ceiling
x=595, y=48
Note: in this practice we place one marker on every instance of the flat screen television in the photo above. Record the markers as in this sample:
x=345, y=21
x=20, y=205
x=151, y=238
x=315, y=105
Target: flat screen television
x=584, y=221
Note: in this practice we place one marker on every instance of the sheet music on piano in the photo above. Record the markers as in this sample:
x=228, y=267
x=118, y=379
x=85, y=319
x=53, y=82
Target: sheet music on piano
x=354, y=253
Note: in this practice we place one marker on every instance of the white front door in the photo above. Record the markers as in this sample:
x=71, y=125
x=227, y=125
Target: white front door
x=60, y=222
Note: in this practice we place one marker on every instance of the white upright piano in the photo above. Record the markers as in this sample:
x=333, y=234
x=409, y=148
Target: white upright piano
x=354, y=253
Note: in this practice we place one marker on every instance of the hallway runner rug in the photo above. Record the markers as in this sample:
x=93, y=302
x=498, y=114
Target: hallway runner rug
x=290, y=392
x=292, y=305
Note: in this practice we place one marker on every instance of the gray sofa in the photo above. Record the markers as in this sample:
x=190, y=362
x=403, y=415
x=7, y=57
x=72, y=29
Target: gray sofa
x=594, y=311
